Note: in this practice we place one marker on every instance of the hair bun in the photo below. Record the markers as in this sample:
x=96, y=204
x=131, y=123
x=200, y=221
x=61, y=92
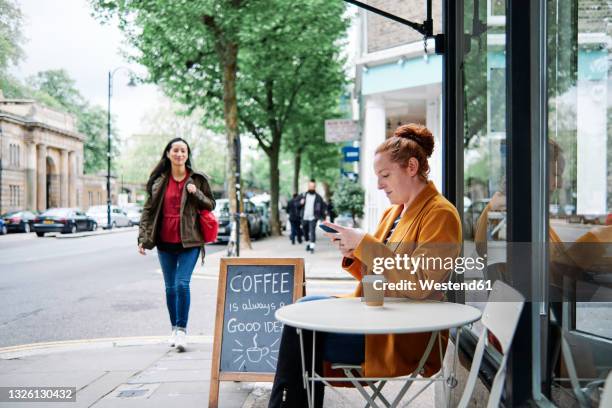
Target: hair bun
x=419, y=134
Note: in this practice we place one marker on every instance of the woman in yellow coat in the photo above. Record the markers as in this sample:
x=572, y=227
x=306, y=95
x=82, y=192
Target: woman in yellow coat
x=420, y=224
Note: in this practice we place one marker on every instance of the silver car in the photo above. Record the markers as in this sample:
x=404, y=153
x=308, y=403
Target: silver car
x=134, y=212
x=119, y=218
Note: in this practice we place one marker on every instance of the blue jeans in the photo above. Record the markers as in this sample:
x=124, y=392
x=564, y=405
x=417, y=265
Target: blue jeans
x=177, y=269
x=337, y=347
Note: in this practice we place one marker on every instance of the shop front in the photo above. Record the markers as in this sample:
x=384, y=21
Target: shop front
x=527, y=160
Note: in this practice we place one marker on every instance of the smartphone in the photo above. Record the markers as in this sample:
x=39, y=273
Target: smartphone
x=327, y=229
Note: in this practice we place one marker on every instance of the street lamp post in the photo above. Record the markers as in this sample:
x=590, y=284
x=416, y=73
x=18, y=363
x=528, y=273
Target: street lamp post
x=108, y=150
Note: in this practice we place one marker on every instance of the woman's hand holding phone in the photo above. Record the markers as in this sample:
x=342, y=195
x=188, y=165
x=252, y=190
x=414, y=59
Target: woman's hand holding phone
x=345, y=238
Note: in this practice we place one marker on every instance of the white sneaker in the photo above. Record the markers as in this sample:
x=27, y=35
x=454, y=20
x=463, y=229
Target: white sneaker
x=180, y=341
x=172, y=339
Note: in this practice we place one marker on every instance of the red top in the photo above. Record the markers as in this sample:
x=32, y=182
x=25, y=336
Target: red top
x=171, y=210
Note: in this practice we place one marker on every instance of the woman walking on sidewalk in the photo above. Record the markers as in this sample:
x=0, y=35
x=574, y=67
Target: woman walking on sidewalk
x=176, y=194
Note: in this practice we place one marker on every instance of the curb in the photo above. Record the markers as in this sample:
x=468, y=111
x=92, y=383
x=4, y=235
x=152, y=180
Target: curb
x=94, y=233
x=25, y=350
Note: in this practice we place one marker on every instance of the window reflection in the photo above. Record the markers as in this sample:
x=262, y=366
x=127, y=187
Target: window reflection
x=580, y=176
x=484, y=117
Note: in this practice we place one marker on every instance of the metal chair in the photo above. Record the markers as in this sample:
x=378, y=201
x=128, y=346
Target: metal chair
x=500, y=316
x=606, y=395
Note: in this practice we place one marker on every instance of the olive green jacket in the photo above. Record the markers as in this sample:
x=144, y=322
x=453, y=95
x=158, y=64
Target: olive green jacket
x=191, y=204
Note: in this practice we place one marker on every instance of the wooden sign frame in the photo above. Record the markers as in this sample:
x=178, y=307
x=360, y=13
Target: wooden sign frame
x=298, y=289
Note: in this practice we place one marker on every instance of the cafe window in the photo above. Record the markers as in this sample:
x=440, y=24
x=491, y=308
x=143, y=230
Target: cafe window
x=579, y=108
x=484, y=147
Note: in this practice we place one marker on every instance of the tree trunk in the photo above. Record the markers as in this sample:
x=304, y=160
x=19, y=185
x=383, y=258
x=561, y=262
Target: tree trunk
x=274, y=186
x=326, y=191
x=297, y=164
x=230, y=109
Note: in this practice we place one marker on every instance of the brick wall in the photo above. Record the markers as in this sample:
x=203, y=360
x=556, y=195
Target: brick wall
x=383, y=33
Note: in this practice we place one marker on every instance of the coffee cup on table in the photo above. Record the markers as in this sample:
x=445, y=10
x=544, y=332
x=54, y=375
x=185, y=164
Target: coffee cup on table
x=374, y=295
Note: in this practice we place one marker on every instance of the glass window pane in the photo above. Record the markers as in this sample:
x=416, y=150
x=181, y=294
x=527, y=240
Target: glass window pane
x=580, y=199
x=484, y=139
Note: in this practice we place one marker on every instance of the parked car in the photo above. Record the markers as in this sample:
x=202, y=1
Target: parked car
x=119, y=218
x=264, y=211
x=64, y=220
x=22, y=221
x=597, y=219
x=253, y=217
x=134, y=212
x=3, y=230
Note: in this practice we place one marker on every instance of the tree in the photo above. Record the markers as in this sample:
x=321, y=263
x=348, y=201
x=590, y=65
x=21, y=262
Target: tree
x=296, y=64
x=91, y=120
x=284, y=53
x=306, y=142
x=166, y=121
x=190, y=48
x=11, y=36
x=348, y=198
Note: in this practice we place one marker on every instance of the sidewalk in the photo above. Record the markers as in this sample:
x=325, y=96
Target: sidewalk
x=145, y=372
x=324, y=264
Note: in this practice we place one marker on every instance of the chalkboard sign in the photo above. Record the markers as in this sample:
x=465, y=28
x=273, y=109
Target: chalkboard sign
x=247, y=336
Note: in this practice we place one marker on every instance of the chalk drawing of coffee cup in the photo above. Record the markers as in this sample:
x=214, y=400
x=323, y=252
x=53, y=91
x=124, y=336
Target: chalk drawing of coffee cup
x=255, y=353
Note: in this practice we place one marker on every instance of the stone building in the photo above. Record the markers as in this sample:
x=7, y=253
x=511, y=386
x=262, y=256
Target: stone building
x=41, y=160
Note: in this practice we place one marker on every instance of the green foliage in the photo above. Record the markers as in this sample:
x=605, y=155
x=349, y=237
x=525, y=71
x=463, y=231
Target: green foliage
x=11, y=36
x=58, y=84
x=12, y=88
x=287, y=57
x=91, y=120
x=177, y=42
x=55, y=89
x=349, y=198
x=306, y=138
x=142, y=152
x=256, y=173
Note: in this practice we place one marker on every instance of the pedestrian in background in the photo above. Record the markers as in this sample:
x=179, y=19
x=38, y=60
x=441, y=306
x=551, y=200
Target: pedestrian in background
x=295, y=219
x=169, y=221
x=331, y=211
x=313, y=210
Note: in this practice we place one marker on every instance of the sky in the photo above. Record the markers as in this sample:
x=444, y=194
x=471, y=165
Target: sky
x=63, y=34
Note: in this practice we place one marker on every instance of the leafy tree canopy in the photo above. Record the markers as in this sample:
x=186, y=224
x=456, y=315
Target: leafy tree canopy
x=11, y=36
x=349, y=198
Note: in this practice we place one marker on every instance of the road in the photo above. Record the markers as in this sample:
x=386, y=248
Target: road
x=90, y=287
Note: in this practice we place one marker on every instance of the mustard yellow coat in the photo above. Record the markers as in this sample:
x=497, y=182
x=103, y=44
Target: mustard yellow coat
x=431, y=227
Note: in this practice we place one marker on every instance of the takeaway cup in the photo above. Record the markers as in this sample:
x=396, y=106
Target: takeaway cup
x=373, y=297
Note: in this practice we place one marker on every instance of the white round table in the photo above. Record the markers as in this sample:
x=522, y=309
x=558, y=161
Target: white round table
x=351, y=315
x=396, y=316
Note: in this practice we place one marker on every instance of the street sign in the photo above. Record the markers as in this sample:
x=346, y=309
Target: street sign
x=341, y=130
x=350, y=154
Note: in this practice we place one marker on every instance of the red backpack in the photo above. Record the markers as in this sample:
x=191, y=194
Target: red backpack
x=209, y=226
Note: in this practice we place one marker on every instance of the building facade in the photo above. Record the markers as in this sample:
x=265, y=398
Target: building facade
x=398, y=81
x=41, y=156
x=526, y=158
